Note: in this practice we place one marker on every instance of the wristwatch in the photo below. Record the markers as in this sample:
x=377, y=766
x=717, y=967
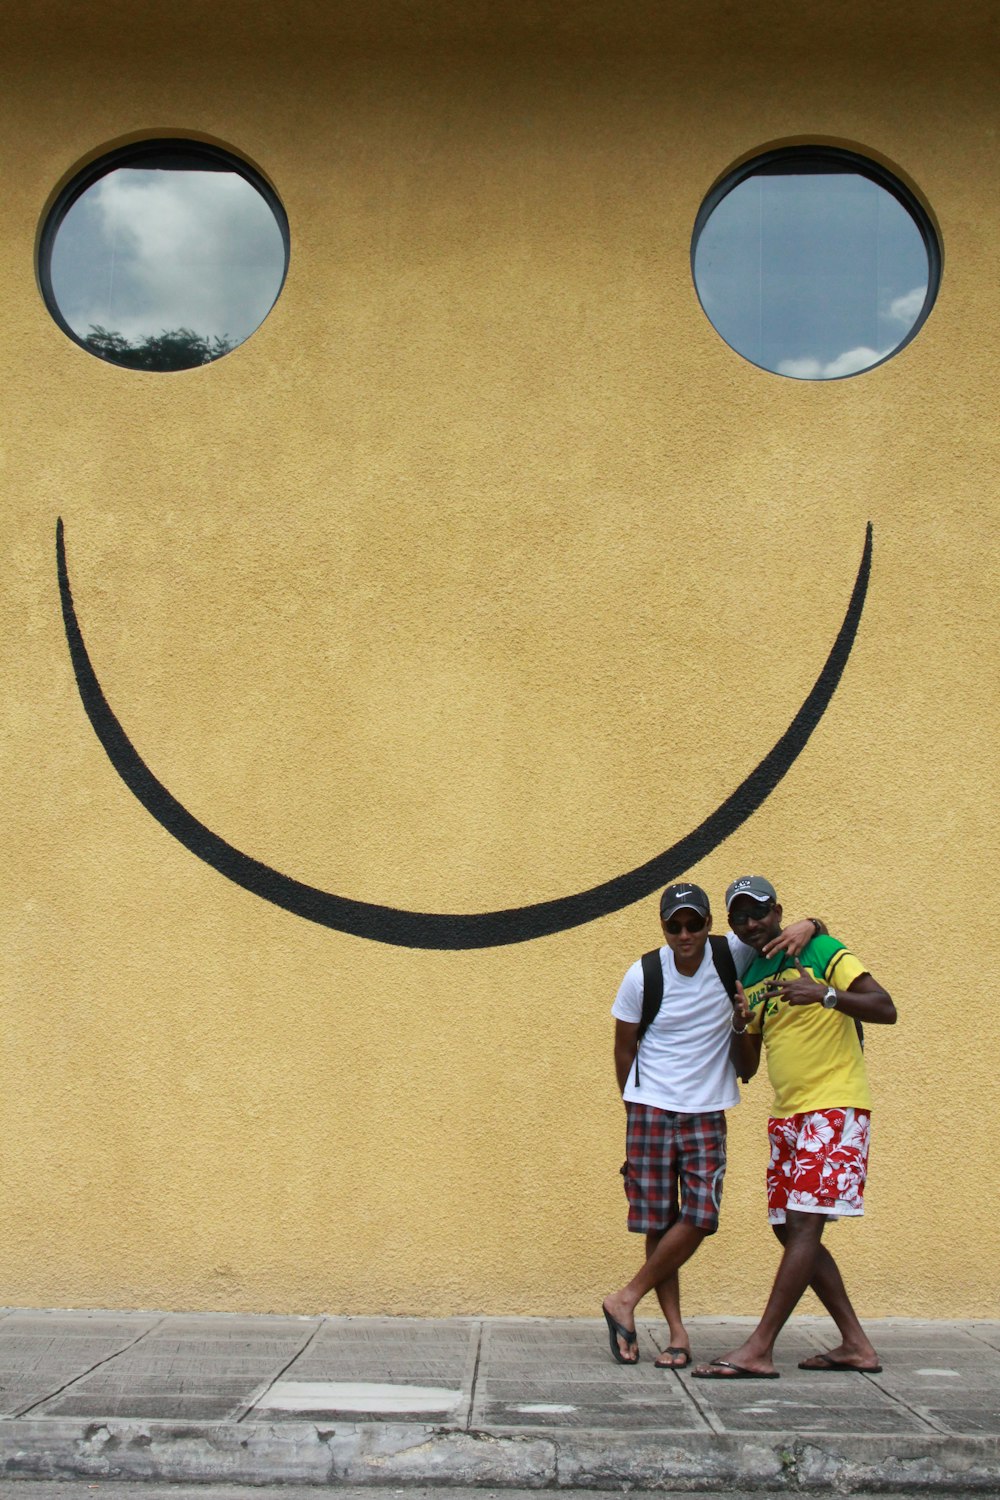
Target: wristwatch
x=830, y=998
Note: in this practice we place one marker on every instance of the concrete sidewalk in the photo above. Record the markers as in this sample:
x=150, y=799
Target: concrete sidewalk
x=527, y=1403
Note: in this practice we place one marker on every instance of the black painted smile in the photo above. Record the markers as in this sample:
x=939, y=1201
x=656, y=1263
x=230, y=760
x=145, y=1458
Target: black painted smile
x=415, y=929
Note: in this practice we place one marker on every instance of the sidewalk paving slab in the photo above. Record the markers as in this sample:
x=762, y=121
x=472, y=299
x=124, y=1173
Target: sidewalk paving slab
x=497, y=1402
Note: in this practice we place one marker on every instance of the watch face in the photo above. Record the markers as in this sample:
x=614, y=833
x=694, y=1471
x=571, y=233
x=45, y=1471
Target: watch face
x=830, y=999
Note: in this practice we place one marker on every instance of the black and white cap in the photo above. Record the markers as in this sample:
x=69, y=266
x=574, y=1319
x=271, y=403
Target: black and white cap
x=754, y=886
x=684, y=898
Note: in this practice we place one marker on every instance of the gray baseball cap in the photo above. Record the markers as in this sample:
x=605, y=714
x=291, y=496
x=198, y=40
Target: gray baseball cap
x=754, y=886
x=684, y=898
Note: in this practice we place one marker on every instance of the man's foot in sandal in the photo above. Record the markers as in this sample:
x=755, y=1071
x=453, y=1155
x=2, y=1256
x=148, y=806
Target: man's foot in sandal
x=674, y=1357
x=725, y=1369
x=836, y=1364
x=617, y=1334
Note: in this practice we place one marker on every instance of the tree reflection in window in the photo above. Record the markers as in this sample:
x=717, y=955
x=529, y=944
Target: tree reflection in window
x=176, y=349
x=164, y=257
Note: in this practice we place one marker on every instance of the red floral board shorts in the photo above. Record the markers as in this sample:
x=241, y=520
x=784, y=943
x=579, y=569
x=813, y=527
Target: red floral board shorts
x=819, y=1163
x=674, y=1168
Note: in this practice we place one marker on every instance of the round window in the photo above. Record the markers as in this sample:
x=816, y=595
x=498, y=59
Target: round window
x=164, y=255
x=814, y=263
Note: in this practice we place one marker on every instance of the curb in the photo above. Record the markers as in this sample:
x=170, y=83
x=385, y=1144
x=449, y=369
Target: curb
x=415, y=1454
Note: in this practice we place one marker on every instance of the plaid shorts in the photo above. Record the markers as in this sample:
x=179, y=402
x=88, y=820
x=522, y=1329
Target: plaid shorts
x=674, y=1168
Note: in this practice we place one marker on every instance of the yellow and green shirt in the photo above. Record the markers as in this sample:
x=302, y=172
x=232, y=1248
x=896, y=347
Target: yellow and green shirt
x=814, y=1057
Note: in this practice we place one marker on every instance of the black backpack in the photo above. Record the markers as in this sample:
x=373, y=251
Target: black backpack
x=652, y=984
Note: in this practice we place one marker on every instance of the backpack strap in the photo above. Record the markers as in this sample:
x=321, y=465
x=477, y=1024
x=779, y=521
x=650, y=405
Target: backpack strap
x=652, y=990
x=722, y=957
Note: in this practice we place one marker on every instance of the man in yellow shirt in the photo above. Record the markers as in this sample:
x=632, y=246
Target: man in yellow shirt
x=806, y=1013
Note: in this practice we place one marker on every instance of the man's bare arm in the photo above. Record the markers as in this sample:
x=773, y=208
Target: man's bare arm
x=864, y=1000
x=744, y=1049
x=793, y=938
x=626, y=1046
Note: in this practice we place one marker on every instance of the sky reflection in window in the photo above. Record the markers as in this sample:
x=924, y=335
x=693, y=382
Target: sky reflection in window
x=166, y=262
x=811, y=268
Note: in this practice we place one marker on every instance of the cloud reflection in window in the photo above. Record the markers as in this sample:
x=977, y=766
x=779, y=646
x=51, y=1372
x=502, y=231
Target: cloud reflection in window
x=174, y=244
x=814, y=264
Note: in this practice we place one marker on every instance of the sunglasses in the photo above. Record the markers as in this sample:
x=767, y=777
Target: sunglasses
x=696, y=924
x=744, y=918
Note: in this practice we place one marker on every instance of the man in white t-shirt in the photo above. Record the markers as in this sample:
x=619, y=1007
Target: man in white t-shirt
x=677, y=1080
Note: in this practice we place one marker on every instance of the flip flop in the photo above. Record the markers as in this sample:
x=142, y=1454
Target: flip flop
x=616, y=1331
x=675, y=1364
x=716, y=1368
x=827, y=1364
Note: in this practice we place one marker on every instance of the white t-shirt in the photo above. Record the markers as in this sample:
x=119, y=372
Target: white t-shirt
x=683, y=1059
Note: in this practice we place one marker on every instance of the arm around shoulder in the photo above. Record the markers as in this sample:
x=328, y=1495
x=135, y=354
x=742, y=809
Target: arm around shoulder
x=793, y=938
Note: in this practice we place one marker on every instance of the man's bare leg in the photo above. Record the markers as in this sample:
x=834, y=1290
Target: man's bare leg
x=856, y=1348
x=668, y=1294
x=796, y=1269
x=673, y=1248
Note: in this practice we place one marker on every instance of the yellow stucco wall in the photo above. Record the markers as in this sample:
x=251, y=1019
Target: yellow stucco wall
x=482, y=573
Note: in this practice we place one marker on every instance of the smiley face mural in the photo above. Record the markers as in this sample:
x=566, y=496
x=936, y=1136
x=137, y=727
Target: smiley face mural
x=465, y=523
x=113, y=247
